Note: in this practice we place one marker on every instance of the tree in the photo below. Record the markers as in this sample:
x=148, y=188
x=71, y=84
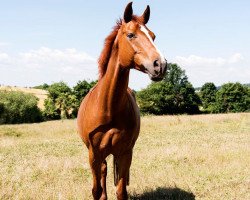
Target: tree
x=173, y=95
x=82, y=88
x=59, y=103
x=58, y=88
x=80, y=91
x=208, y=96
x=44, y=86
x=18, y=107
x=156, y=99
x=51, y=111
x=233, y=97
x=62, y=102
x=189, y=101
x=66, y=103
x=2, y=109
x=175, y=75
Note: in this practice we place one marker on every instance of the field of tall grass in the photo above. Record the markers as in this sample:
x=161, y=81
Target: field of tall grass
x=175, y=157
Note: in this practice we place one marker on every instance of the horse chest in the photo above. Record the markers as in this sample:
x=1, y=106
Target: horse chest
x=110, y=130
x=117, y=135
x=116, y=141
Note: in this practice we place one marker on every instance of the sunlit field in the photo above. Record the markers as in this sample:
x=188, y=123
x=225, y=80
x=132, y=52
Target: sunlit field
x=175, y=157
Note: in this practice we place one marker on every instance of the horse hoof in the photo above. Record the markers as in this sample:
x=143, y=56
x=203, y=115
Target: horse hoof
x=103, y=197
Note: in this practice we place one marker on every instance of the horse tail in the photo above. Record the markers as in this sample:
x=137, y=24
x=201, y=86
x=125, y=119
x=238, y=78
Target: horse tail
x=116, y=172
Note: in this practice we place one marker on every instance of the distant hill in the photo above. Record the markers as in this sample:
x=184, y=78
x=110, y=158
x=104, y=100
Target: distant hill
x=39, y=93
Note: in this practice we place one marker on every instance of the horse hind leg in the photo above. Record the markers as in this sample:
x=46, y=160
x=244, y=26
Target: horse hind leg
x=122, y=166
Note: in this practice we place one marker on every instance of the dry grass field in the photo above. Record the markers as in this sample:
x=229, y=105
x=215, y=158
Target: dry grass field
x=40, y=94
x=175, y=157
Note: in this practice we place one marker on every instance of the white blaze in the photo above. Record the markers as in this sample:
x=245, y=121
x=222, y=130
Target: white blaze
x=144, y=30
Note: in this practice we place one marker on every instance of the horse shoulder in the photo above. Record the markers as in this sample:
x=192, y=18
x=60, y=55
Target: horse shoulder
x=82, y=116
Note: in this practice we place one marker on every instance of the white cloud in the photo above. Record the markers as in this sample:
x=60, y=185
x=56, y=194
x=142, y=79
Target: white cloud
x=4, y=44
x=218, y=70
x=4, y=60
x=47, y=65
x=47, y=55
x=198, y=61
x=236, y=58
x=4, y=57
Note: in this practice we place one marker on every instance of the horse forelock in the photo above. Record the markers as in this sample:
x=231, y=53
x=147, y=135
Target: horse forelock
x=108, y=44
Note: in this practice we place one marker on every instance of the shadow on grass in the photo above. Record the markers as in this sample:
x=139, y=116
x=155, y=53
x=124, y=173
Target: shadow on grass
x=164, y=193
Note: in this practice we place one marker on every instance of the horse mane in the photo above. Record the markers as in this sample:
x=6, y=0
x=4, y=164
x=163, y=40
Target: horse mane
x=106, y=52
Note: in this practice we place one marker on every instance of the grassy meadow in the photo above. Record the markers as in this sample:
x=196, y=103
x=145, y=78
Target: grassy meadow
x=175, y=157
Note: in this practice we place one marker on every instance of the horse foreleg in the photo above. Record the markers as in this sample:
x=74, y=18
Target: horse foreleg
x=123, y=162
x=103, y=180
x=95, y=165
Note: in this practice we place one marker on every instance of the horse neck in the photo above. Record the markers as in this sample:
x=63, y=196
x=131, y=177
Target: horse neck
x=114, y=85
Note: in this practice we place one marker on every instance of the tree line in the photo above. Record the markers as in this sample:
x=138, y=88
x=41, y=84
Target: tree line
x=176, y=95
x=63, y=102
x=173, y=95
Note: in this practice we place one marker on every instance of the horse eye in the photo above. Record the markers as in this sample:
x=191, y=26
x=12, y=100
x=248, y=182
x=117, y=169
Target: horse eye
x=130, y=35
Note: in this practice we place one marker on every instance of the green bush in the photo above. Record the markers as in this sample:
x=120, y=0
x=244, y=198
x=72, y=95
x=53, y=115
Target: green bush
x=56, y=89
x=44, y=86
x=50, y=112
x=155, y=99
x=57, y=104
x=208, y=97
x=81, y=89
x=232, y=97
x=1, y=108
x=62, y=102
x=173, y=95
x=18, y=107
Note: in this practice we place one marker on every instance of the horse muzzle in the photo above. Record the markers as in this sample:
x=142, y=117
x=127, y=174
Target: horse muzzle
x=157, y=71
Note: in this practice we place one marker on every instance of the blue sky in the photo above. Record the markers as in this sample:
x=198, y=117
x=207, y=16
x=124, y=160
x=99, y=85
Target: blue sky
x=53, y=40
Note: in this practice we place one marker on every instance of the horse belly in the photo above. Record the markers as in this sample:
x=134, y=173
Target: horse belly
x=125, y=136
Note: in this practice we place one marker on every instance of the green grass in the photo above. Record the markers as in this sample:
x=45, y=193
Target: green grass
x=175, y=157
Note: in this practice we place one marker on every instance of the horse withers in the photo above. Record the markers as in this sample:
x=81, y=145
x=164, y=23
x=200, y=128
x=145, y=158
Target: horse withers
x=108, y=118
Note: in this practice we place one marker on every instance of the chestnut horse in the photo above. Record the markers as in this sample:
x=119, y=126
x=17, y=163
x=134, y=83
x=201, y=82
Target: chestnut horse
x=108, y=118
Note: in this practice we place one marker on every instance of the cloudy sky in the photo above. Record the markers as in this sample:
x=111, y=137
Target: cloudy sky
x=53, y=40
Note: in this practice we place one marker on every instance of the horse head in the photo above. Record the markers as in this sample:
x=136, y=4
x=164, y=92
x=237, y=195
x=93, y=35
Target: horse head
x=136, y=45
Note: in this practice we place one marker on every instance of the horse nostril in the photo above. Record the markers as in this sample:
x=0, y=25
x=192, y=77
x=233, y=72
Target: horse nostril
x=156, y=63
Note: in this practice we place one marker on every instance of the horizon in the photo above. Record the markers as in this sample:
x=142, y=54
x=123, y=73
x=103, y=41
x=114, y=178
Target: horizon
x=57, y=40
x=33, y=87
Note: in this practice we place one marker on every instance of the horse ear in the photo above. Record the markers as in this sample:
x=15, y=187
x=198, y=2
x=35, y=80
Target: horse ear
x=145, y=16
x=128, y=13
